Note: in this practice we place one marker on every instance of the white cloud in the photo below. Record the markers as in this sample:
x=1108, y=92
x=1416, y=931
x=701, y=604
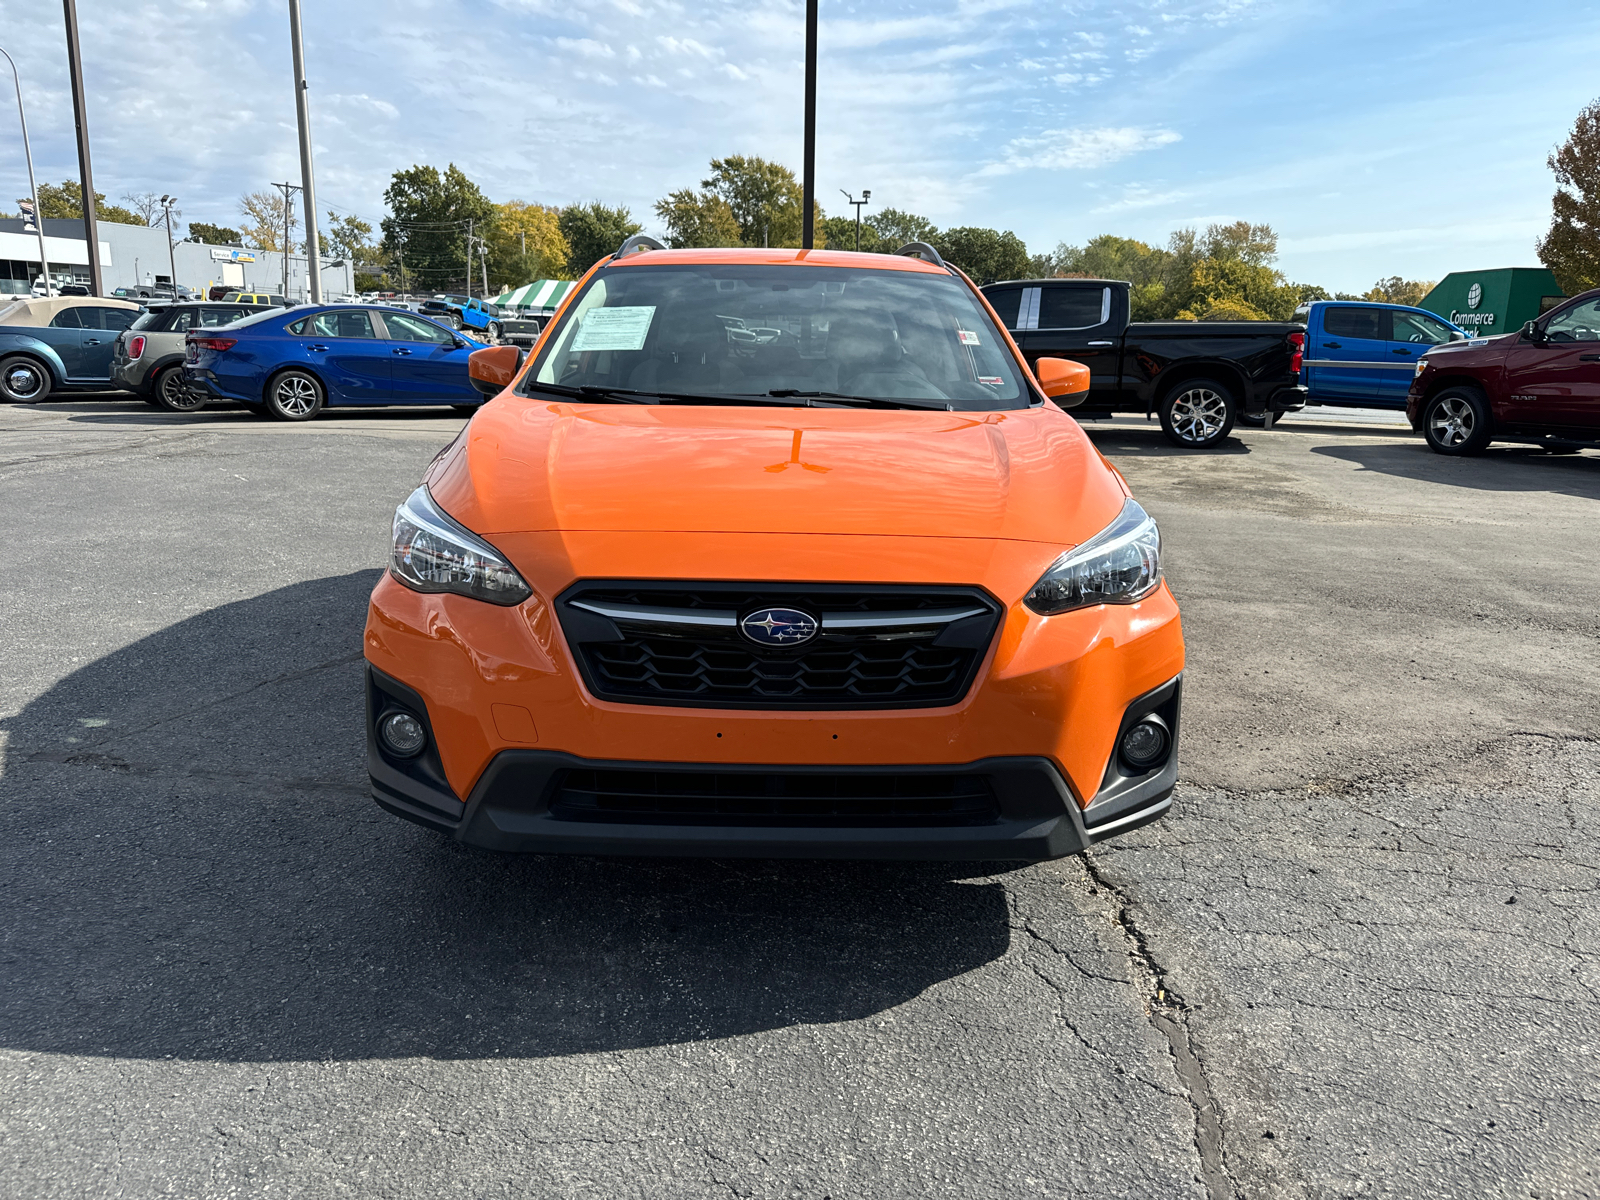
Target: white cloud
x=1077, y=149
x=587, y=47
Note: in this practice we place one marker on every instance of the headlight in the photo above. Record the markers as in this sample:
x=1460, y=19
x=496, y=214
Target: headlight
x=433, y=553
x=1120, y=564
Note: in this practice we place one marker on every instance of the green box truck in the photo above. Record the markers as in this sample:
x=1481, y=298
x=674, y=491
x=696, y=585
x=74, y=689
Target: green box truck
x=1489, y=303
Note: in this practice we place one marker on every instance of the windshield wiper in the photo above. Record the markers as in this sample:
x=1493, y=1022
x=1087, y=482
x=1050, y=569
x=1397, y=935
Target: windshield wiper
x=617, y=395
x=780, y=397
x=866, y=401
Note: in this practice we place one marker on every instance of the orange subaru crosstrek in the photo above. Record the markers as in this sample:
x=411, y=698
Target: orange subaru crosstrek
x=774, y=553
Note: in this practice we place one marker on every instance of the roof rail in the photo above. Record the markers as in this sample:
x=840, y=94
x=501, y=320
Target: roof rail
x=638, y=243
x=923, y=251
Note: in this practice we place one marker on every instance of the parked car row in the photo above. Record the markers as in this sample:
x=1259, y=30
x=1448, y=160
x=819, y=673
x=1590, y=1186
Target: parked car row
x=287, y=363
x=1540, y=385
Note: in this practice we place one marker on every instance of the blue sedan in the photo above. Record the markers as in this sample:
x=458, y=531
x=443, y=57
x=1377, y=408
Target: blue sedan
x=293, y=363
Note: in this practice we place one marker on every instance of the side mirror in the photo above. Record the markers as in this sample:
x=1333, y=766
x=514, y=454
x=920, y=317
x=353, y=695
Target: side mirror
x=1533, y=333
x=1060, y=377
x=1457, y=336
x=492, y=369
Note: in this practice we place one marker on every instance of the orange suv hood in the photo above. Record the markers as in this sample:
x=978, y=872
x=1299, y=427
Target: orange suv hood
x=528, y=465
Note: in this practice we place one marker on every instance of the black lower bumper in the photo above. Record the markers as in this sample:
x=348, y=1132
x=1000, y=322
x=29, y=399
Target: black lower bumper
x=1003, y=808
x=1289, y=399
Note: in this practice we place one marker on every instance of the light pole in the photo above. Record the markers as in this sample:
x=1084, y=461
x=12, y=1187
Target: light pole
x=866, y=194
x=33, y=189
x=80, y=114
x=809, y=190
x=172, y=255
x=302, y=110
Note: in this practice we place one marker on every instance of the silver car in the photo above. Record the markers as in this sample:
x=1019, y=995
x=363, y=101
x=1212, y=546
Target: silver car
x=148, y=358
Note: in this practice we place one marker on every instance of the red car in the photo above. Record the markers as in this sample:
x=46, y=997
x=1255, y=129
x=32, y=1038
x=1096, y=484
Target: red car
x=1540, y=385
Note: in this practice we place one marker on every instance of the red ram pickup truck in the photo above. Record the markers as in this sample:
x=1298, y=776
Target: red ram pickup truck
x=1540, y=385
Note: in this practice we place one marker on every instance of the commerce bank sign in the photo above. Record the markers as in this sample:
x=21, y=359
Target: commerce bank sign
x=1470, y=318
x=1491, y=301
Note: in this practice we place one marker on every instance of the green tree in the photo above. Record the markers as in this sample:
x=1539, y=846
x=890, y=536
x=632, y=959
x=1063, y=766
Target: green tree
x=1253, y=245
x=1053, y=264
x=895, y=229
x=764, y=197
x=214, y=235
x=430, y=213
x=985, y=254
x=698, y=219
x=1571, y=247
x=841, y=235
x=64, y=201
x=1395, y=290
x=593, y=231
x=349, y=237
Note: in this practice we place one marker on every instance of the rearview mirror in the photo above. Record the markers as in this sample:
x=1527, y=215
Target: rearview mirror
x=493, y=368
x=1060, y=377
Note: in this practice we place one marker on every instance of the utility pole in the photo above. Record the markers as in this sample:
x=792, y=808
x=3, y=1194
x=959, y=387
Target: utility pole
x=403, y=291
x=302, y=111
x=809, y=191
x=288, y=189
x=85, y=174
x=469, y=258
x=172, y=255
x=866, y=194
x=483, y=262
x=33, y=188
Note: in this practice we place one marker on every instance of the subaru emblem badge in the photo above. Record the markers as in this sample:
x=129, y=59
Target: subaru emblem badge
x=779, y=627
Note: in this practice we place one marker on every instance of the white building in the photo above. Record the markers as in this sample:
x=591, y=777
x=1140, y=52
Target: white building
x=134, y=255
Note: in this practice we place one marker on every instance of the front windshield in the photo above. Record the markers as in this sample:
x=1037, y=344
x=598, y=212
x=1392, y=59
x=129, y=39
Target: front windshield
x=730, y=331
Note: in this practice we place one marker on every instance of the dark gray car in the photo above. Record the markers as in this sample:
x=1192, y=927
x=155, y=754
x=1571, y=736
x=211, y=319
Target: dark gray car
x=148, y=358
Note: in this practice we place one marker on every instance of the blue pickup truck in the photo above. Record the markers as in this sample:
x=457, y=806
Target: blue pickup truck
x=1361, y=354
x=464, y=312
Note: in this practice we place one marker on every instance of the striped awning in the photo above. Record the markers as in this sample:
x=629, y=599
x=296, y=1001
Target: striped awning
x=542, y=295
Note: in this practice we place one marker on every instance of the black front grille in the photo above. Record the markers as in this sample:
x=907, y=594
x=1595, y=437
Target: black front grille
x=923, y=663
x=734, y=797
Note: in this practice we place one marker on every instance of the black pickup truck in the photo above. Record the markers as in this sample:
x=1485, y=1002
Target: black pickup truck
x=1199, y=377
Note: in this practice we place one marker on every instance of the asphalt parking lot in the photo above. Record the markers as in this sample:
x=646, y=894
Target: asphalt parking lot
x=1360, y=958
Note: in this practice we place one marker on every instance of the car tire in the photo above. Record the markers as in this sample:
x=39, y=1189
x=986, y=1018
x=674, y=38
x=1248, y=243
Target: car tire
x=24, y=380
x=455, y=322
x=1456, y=422
x=497, y=333
x=1198, y=414
x=294, y=396
x=169, y=393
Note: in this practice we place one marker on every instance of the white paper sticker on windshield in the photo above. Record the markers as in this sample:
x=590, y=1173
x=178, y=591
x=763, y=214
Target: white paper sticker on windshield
x=622, y=328
x=968, y=338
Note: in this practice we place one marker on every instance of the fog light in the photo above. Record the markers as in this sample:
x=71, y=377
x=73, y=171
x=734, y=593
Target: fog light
x=1144, y=745
x=402, y=733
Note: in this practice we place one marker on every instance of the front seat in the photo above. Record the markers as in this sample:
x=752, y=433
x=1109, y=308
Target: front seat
x=688, y=353
x=870, y=360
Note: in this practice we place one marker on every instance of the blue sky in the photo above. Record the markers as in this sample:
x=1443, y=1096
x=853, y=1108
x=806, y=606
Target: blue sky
x=1377, y=139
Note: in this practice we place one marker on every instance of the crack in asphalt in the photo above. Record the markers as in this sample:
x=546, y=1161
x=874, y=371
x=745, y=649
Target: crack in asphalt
x=1168, y=1013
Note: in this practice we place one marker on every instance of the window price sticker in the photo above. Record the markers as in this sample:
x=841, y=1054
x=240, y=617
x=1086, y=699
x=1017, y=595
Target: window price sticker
x=991, y=380
x=621, y=328
x=967, y=337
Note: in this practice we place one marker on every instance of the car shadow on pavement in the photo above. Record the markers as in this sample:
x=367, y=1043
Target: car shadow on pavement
x=1147, y=441
x=195, y=870
x=221, y=417
x=1498, y=469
